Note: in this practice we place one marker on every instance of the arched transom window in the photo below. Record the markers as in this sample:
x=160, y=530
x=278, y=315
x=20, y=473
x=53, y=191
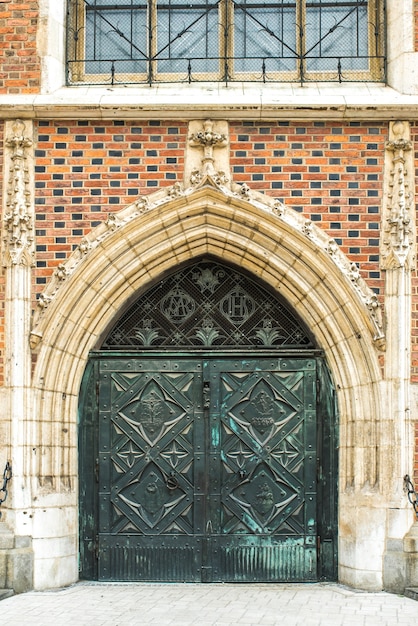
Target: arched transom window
x=148, y=41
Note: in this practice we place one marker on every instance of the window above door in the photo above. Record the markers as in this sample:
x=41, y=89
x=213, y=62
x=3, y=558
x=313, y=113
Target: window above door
x=208, y=306
x=120, y=42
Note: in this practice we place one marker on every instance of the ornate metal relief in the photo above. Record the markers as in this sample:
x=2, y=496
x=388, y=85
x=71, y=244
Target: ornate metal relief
x=151, y=435
x=398, y=238
x=18, y=236
x=264, y=411
x=207, y=450
x=208, y=305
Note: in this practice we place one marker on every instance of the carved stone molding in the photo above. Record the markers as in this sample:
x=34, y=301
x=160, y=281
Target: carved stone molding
x=158, y=199
x=398, y=248
x=18, y=236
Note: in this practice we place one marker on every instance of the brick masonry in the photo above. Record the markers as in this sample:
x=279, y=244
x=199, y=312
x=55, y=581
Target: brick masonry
x=332, y=174
x=20, y=64
x=85, y=171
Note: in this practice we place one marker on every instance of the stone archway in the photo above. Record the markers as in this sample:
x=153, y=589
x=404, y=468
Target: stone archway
x=133, y=249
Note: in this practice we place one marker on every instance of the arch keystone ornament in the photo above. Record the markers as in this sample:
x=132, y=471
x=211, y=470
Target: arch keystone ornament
x=249, y=230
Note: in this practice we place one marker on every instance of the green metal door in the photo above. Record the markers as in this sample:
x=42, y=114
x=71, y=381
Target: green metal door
x=207, y=469
x=262, y=456
x=151, y=468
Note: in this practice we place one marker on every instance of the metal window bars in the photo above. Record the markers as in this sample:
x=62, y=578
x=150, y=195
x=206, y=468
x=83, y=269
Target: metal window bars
x=170, y=41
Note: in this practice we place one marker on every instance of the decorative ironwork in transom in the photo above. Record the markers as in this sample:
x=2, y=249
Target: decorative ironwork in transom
x=208, y=306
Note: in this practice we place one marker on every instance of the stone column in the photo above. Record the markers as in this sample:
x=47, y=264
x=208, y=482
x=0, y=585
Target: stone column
x=18, y=259
x=398, y=260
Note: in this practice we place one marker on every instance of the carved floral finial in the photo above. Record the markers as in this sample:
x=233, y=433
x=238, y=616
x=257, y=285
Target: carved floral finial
x=398, y=236
x=17, y=220
x=208, y=139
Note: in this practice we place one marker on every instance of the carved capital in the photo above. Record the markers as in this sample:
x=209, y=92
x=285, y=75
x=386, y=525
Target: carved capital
x=18, y=214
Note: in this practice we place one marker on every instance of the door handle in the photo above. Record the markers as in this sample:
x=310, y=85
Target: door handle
x=171, y=481
x=209, y=528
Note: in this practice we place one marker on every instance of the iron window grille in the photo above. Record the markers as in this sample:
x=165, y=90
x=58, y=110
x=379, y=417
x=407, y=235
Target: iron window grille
x=155, y=41
x=207, y=306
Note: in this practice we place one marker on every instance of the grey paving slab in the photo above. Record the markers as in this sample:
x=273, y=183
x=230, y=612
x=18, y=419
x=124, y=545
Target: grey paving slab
x=118, y=604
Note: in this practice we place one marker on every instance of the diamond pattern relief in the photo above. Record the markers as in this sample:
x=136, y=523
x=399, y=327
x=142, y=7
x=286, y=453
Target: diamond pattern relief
x=152, y=412
x=150, y=497
x=262, y=497
x=151, y=475
x=208, y=461
x=262, y=411
x=262, y=453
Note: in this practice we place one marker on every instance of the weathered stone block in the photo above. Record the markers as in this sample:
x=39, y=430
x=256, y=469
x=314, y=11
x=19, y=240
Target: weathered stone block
x=20, y=570
x=3, y=569
x=394, y=571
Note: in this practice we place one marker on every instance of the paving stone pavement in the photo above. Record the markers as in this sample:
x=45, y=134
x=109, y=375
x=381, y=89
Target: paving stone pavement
x=153, y=604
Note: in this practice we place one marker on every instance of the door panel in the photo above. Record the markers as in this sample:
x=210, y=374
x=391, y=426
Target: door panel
x=267, y=470
x=150, y=517
x=207, y=470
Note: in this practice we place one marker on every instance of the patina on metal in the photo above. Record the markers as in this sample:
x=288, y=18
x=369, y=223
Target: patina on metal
x=202, y=483
x=208, y=439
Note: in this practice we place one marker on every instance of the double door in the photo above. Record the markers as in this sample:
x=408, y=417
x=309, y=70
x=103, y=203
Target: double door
x=207, y=469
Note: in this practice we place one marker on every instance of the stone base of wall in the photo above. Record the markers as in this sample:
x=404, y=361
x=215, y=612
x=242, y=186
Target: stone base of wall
x=16, y=562
x=400, y=562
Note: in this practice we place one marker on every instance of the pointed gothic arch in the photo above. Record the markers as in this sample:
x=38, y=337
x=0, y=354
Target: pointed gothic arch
x=148, y=239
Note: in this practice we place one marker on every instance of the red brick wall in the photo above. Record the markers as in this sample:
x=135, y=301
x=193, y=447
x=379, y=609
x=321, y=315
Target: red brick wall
x=85, y=170
x=331, y=172
x=20, y=65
